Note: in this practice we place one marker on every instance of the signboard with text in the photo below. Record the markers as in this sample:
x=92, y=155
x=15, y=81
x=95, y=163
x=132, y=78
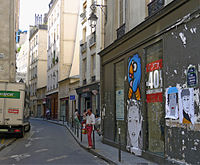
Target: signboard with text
x=10, y=94
x=72, y=97
x=154, y=83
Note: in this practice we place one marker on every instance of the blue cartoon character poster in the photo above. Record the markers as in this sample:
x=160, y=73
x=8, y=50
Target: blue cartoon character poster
x=134, y=76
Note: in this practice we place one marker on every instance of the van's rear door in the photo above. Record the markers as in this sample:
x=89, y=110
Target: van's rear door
x=2, y=89
x=14, y=104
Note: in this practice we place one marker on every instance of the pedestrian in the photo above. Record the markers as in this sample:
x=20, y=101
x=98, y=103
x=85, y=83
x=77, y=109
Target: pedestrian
x=48, y=114
x=76, y=117
x=83, y=122
x=90, y=122
x=97, y=125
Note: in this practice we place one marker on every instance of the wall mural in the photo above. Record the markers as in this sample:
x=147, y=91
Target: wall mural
x=134, y=76
x=134, y=134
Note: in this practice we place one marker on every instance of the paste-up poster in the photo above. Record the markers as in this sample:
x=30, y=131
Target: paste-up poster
x=186, y=106
x=171, y=105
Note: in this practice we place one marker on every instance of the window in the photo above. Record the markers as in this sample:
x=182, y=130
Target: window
x=121, y=11
x=93, y=65
x=36, y=40
x=84, y=34
x=84, y=68
x=84, y=6
x=57, y=31
x=119, y=101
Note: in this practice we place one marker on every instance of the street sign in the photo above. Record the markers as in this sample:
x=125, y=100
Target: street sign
x=72, y=97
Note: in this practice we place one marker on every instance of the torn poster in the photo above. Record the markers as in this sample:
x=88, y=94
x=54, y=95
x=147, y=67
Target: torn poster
x=186, y=106
x=171, y=105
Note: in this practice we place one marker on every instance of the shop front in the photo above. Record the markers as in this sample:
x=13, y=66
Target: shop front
x=145, y=77
x=64, y=109
x=89, y=98
x=52, y=105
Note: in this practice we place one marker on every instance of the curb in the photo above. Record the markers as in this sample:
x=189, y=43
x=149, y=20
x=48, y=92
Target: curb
x=6, y=145
x=92, y=151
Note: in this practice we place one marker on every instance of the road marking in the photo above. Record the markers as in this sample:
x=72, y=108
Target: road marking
x=2, y=141
x=57, y=158
x=28, y=145
x=41, y=150
x=20, y=157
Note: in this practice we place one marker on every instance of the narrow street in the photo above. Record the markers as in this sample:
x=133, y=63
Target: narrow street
x=46, y=143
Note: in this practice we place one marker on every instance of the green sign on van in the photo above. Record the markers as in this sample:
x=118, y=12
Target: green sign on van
x=10, y=94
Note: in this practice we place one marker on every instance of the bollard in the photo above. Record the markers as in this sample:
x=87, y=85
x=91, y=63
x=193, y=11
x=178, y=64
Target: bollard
x=63, y=120
x=93, y=138
x=77, y=129
x=81, y=132
x=119, y=155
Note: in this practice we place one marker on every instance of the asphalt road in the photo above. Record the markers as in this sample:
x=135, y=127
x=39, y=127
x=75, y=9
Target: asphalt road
x=47, y=143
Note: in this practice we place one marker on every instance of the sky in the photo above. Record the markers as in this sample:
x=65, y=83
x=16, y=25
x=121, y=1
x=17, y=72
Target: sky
x=28, y=8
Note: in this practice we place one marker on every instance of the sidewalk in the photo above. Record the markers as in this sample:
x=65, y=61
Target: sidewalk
x=105, y=152
x=6, y=143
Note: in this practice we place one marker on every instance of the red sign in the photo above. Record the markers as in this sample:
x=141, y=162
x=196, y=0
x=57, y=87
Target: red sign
x=155, y=97
x=156, y=65
x=15, y=111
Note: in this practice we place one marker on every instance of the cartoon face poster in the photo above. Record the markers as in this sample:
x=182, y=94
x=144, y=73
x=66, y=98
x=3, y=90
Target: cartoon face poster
x=171, y=107
x=186, y=105
x=134, y=76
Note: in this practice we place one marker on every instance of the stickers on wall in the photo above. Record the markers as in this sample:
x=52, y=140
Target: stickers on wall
x=186, y=105
x=192, y=78
x=171, y=103
x=180, y=104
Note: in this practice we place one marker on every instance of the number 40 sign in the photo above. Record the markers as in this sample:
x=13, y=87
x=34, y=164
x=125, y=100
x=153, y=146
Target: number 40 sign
x=154, y=83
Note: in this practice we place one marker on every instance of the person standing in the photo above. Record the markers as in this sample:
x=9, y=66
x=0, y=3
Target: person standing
x=90, y=122
x=76, y=117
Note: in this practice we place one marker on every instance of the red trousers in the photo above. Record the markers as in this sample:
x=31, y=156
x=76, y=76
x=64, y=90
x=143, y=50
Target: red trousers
x=89, y=132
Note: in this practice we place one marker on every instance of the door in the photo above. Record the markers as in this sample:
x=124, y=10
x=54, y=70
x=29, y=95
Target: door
x=39, y=111
x=67, y=110
x=154, y=98
x=62, y=110
x=87, y=103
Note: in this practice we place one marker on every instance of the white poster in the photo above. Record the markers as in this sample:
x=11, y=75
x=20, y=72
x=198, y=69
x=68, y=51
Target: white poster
x=120, y=104
x=134, y=136
x=186, y=105
x=171, y=103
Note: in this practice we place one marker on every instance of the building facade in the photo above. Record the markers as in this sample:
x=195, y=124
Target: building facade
x=62, y=35
x=38, y=64
x=92, y=42
x=148, y=68
x=41, y=102
x=22, y=58
x=8, y=10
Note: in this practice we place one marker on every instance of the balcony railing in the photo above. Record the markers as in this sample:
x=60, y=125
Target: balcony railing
x=92, y=39
x=155, y=6
x=93, y=78
x=120, y=31
x=84, y=82
x=83, y=15
x=83, y=47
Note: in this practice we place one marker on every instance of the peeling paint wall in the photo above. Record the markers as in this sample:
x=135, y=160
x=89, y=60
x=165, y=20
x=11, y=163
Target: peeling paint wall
x=181, y=53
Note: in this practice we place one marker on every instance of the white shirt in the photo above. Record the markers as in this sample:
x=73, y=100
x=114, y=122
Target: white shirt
x=90, y=119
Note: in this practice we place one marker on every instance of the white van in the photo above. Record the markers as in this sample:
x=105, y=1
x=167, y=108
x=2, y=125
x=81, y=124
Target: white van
x=14, y=109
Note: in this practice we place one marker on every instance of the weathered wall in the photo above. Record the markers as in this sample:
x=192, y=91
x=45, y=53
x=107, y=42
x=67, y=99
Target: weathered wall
x=181, y=50
x=7, y=41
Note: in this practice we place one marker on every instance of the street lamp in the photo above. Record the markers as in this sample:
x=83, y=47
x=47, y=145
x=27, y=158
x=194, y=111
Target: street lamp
x=93, y=20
